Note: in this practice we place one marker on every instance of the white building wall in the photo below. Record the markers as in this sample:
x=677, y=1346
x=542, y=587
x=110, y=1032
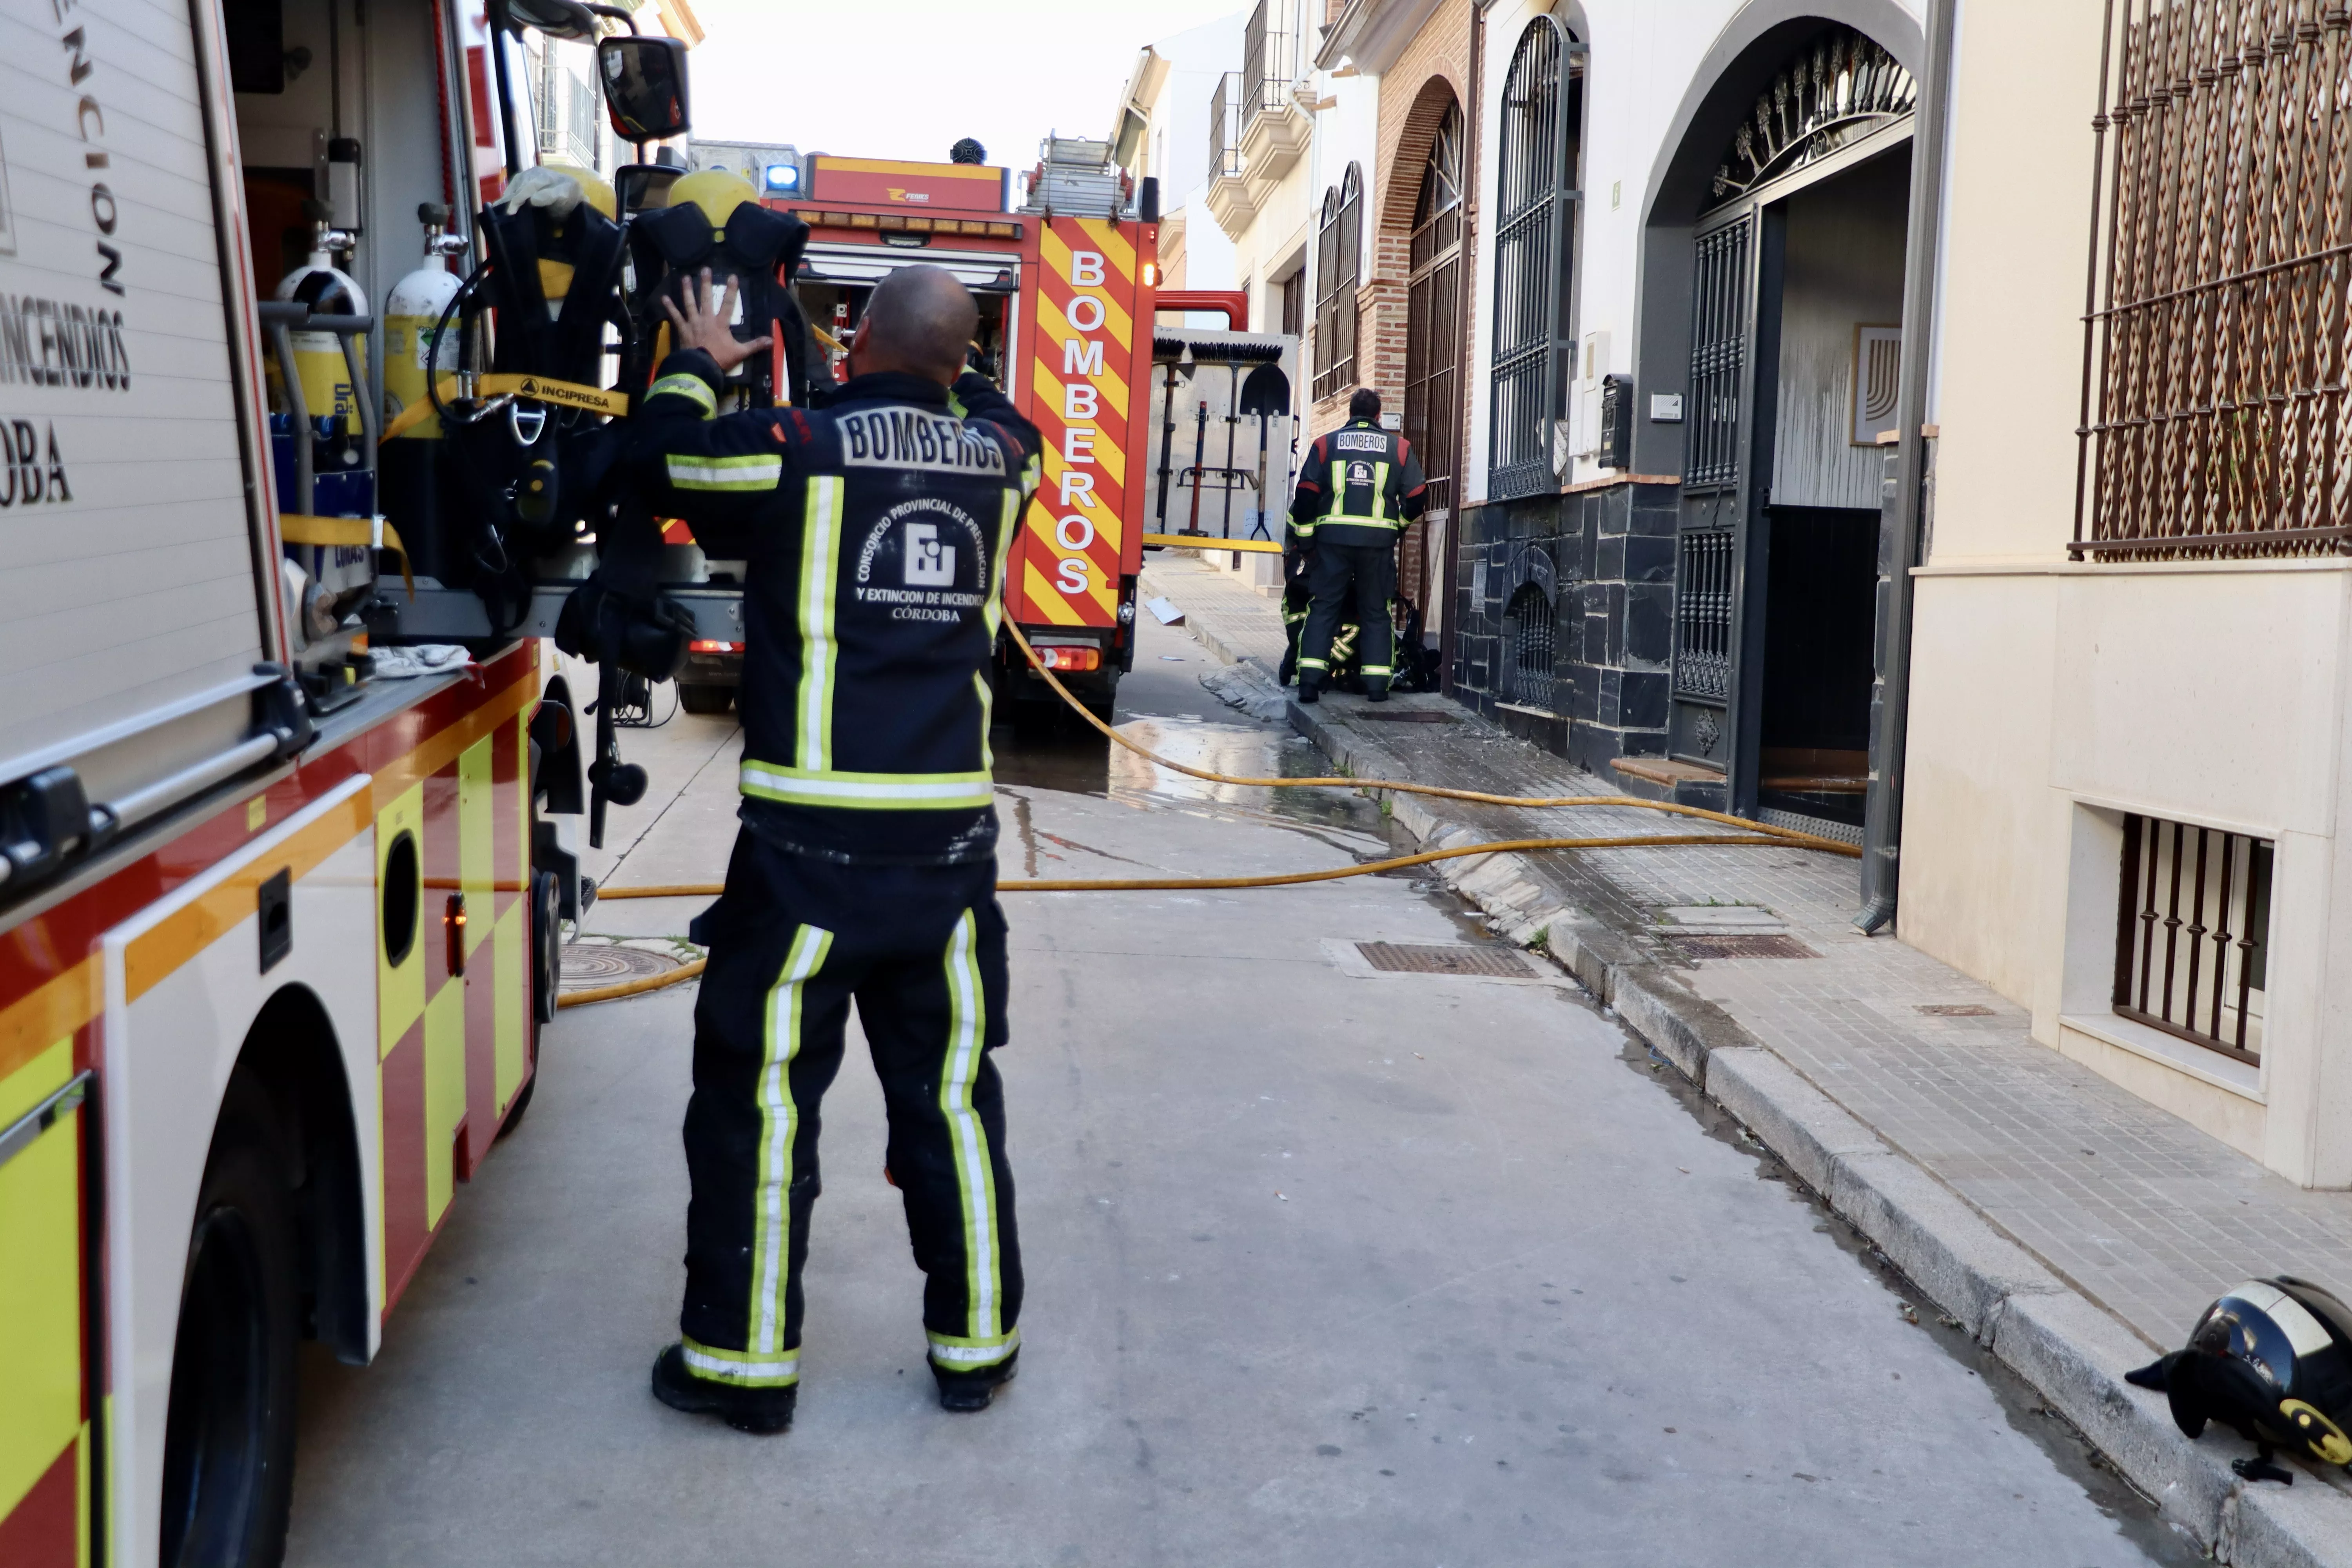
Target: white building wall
x=1347, y=133
x=1643, y=60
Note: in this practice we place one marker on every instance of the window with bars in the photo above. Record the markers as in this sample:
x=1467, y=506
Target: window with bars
x=1530, y=635
x=1534, y=233
x=2215, y=367
x=1718, y=356
x=1339, y=265
x=1432, y=346
x=2192, y=933
x=1703, y=615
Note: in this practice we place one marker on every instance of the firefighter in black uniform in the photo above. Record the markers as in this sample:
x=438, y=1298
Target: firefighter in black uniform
x=1356, y=490
x=875, y=530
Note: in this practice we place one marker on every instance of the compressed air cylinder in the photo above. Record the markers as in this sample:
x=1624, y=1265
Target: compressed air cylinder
x=318, y=356
x=409, y=466
x=410, y=314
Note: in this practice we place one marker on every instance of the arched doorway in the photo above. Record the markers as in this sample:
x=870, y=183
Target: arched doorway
x=1432, y=354
x=1796, y=261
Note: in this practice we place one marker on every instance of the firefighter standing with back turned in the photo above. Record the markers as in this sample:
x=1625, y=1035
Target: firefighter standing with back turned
x=1356, y=490
x=875, y=531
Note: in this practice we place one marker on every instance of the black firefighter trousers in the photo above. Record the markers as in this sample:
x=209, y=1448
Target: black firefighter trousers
x=1338, y=574
x=921, y=949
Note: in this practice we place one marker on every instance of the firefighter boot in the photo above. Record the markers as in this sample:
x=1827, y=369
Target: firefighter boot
x=973, y=1390
x=757, y=1410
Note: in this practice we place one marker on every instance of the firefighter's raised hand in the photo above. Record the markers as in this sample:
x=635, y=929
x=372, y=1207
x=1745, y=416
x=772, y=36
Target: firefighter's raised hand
x=703, y=325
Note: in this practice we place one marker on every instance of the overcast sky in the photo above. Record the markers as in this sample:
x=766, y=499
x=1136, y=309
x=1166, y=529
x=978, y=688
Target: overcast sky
x=904, y=79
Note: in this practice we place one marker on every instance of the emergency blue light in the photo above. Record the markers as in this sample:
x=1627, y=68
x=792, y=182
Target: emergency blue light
x=783, y=176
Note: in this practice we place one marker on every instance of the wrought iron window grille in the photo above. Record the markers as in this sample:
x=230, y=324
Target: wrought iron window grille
x=2192, y=933
x=1433, y=350
x=1834, y=91
x=1720, y=311
x=1703, y=606
x=1537, y=203
x=2215, y=331
x=1530, y=638
x=1339, y=267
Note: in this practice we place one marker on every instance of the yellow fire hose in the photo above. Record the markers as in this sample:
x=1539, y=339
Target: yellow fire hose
x=1752, y=835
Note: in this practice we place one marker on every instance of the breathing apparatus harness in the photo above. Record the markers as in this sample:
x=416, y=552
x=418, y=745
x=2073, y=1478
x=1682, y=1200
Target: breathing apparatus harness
x=552, y=272
x=714, y=221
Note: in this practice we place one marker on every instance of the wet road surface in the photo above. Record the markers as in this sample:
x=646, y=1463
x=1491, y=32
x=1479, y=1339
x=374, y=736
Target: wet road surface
x=1325, y=1266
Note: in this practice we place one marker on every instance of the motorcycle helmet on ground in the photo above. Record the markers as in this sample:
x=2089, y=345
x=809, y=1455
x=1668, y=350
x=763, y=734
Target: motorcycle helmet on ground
x=2271, y=1360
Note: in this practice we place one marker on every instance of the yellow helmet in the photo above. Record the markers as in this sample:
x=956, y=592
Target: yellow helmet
x=716, y=191
x=598, y=193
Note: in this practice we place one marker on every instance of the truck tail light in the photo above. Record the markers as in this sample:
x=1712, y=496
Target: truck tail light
x=711, y=644
x=1066, y=657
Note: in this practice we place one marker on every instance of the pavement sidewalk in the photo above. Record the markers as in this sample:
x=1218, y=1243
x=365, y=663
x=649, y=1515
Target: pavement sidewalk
x=2071, y=1227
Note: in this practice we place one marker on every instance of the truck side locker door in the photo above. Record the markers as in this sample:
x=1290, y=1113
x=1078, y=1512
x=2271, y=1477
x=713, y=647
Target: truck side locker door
x=51, y=1467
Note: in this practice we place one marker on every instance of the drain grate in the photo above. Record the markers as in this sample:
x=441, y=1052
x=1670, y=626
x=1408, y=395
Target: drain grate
x=1405, y=716
x=1954, y=1010
x=1408, y=958
x=588, y=964
x=1743, y=947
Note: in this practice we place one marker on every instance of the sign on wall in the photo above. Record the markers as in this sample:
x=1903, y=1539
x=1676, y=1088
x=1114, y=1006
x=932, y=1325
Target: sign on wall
x=1877, y=377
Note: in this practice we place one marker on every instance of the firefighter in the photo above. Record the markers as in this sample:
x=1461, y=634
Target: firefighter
x=1356, y=490
x=865, y=866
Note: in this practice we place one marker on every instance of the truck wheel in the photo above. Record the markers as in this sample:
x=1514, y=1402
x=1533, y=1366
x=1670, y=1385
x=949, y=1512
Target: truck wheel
x=228, y=1443
x=701, y=699
x=546, y=981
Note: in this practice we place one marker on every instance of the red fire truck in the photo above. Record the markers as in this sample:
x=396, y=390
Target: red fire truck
x=277, y=932
x=1066, y=300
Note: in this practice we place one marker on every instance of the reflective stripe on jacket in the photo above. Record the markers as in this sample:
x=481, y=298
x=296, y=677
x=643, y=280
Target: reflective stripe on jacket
x=1359, y=484
x=874, y=532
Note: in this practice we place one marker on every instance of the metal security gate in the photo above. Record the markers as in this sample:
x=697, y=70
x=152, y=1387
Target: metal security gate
x=1722, y=498
x=1838, y=101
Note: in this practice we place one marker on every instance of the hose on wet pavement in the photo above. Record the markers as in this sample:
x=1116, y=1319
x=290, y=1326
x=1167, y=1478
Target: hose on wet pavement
x=1752, y=836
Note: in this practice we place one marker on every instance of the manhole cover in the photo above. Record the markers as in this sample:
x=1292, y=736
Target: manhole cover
x=1743, y=947
x=1406, y=716
x=1404, y=958
x=592, y=964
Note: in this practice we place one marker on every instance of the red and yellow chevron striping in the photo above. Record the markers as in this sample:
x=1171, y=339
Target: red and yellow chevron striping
x=1077, y=530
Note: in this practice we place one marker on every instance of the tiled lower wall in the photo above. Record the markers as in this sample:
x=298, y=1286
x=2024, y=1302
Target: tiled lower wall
x=1604, y=561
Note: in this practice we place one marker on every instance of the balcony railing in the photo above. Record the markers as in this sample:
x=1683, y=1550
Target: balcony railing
x=1269, y=57
x=1226, y=129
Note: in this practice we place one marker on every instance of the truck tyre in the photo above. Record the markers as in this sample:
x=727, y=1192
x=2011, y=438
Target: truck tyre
x=699, y=698
x=228, y=1443
x=546, y=981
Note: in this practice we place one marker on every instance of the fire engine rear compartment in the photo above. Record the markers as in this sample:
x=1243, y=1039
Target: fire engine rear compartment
x=327, y=94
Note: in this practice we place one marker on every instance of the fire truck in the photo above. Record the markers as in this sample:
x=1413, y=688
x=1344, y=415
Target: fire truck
x=1066, y=284
x=278, y=905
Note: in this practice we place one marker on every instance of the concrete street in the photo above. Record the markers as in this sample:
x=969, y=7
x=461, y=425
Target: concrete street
x=1325, y=1265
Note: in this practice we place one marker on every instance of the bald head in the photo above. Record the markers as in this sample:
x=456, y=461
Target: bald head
x=918, y=322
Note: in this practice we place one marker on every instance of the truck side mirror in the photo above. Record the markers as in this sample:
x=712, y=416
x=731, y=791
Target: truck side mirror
x=566, y=19
x=645, y=86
